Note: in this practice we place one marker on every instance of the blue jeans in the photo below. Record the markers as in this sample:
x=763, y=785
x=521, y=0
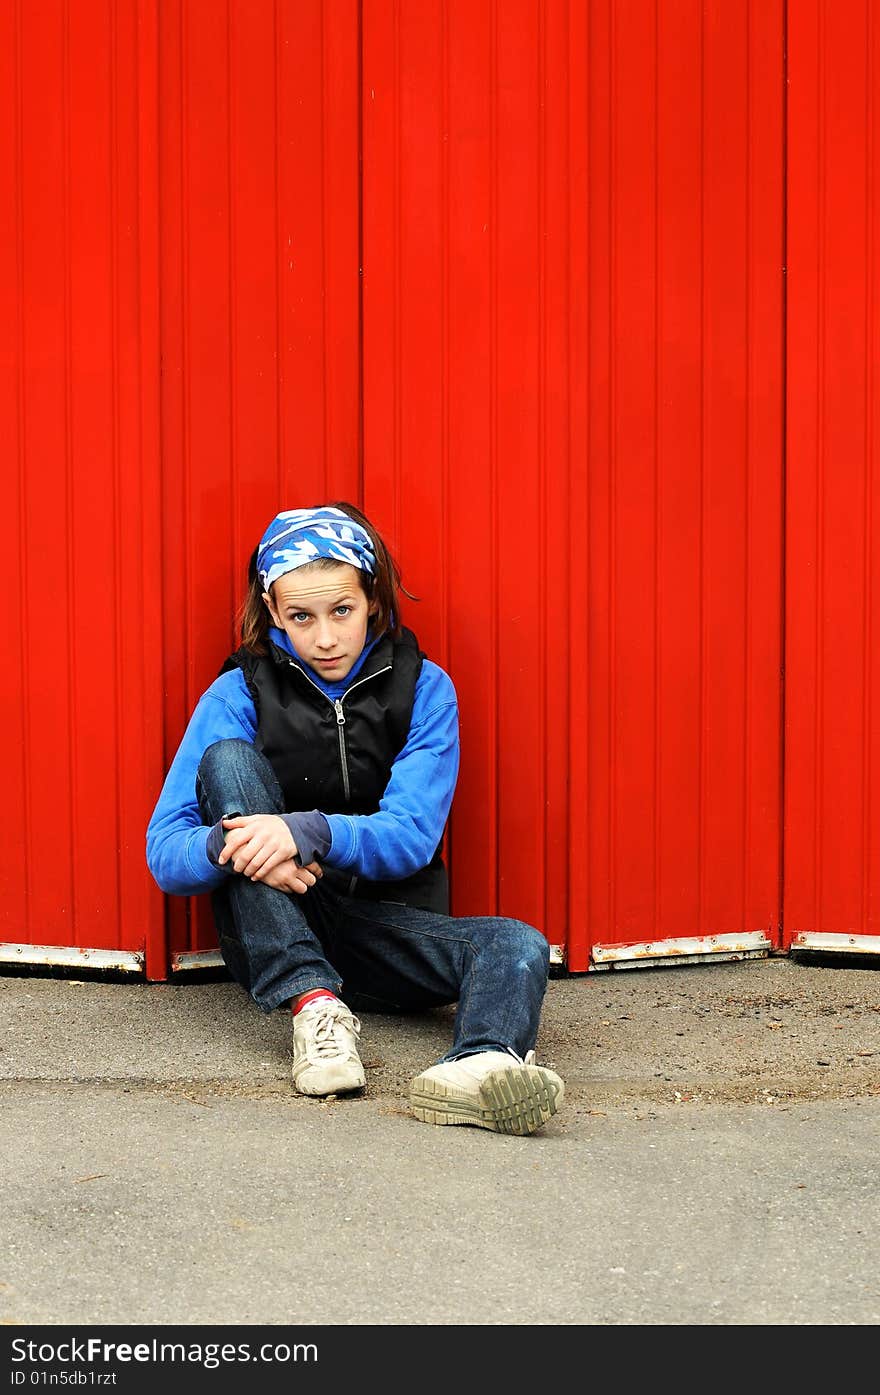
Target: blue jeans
x=377, y=956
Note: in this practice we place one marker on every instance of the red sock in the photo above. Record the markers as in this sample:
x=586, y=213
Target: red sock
x=310, y=998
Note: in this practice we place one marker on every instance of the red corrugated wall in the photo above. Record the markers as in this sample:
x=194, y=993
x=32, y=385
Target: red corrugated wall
x=573, y=394
x=80, y=527
x=832, y=767
x=511, y=275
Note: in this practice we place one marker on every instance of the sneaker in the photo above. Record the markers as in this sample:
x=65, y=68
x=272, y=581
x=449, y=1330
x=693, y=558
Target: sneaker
x=325, y=1054
x=490, y=1089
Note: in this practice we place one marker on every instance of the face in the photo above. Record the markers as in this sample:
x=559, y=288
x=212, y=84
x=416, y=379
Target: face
x=324, y=613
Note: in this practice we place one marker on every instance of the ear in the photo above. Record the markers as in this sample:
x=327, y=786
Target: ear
x=276, y=620
x=373, y=607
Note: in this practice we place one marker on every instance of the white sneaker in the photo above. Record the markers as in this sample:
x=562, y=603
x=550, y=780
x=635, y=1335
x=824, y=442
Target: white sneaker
x=325, y=1053
x=490, y=1089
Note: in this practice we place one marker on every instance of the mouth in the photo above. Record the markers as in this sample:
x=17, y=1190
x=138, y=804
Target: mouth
x=329, y=662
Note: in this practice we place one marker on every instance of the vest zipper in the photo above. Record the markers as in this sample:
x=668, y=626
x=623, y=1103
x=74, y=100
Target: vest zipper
x=343, y=755
x=340, y=717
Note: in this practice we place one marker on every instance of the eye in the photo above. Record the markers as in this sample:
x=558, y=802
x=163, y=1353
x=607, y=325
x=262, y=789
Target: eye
x=343, y=610
x=299, y=617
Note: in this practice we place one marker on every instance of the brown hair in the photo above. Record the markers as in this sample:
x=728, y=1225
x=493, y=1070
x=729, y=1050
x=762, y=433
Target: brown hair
x=380, y=589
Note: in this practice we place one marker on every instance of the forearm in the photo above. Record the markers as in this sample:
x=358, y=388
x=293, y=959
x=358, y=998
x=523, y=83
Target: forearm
x=381, y=846
x=178, y=860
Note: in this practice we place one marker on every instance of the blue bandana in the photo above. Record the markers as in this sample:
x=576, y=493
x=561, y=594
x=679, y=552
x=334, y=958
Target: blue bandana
x=299, y=536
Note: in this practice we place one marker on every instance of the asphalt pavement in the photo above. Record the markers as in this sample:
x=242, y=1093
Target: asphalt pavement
x=715, y=1161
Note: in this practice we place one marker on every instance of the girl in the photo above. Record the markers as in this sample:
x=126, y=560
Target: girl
x=309, y=795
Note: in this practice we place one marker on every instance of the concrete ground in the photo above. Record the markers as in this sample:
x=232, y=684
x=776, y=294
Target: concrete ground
x=715, y=1161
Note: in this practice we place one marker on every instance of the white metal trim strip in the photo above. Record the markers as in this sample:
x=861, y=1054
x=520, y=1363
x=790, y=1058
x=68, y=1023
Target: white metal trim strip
x=702, y=946
x=837, y=943
x=196, y=959
x=124, y=960
x=676, y=960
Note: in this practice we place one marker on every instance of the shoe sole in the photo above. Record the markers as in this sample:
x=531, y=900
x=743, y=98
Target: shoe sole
x=509, y=1101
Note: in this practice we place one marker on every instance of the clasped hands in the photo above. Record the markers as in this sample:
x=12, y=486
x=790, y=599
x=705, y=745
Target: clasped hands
x=262, y=847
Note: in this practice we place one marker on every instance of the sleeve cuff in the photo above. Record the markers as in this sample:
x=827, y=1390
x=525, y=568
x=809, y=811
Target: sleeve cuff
x=342, y=841
x=311, y=833
x=214, y=847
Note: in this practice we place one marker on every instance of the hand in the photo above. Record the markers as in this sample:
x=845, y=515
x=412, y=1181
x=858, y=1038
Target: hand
x=291, y=878
x=256, y=844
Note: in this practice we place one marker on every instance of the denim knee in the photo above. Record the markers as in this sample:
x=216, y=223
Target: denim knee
x=223, y=758
x=234, y=775
x=533, y=947
x=529, y=947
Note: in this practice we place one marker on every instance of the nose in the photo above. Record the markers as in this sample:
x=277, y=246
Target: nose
x=325, y=638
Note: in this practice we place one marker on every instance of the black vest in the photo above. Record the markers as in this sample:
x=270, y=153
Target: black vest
x=337, y=756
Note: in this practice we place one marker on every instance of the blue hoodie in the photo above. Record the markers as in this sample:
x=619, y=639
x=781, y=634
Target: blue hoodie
x=396, y=841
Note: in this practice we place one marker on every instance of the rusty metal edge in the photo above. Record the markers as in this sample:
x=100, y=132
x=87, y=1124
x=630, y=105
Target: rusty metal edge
x=840, y=942
x=673, y=961
x=710, y=946
x=191, y=959
x=69, y=957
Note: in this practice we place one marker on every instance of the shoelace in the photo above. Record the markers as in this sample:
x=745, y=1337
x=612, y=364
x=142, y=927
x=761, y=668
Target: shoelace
x=324, y=1030
x=529, y=1059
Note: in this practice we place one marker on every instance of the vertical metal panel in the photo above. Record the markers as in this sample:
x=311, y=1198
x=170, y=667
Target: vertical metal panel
x=832, y=770
x=573, y=436
x=260, y=309
x=685, y=470
x=80, y=531
x=466, y=360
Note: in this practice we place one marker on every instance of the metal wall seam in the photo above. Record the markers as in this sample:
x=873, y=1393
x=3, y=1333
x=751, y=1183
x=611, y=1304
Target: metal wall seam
x=15, y=916
x=575, y=932
x=149, y=660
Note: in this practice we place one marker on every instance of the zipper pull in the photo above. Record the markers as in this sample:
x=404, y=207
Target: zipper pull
x=340, y=715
